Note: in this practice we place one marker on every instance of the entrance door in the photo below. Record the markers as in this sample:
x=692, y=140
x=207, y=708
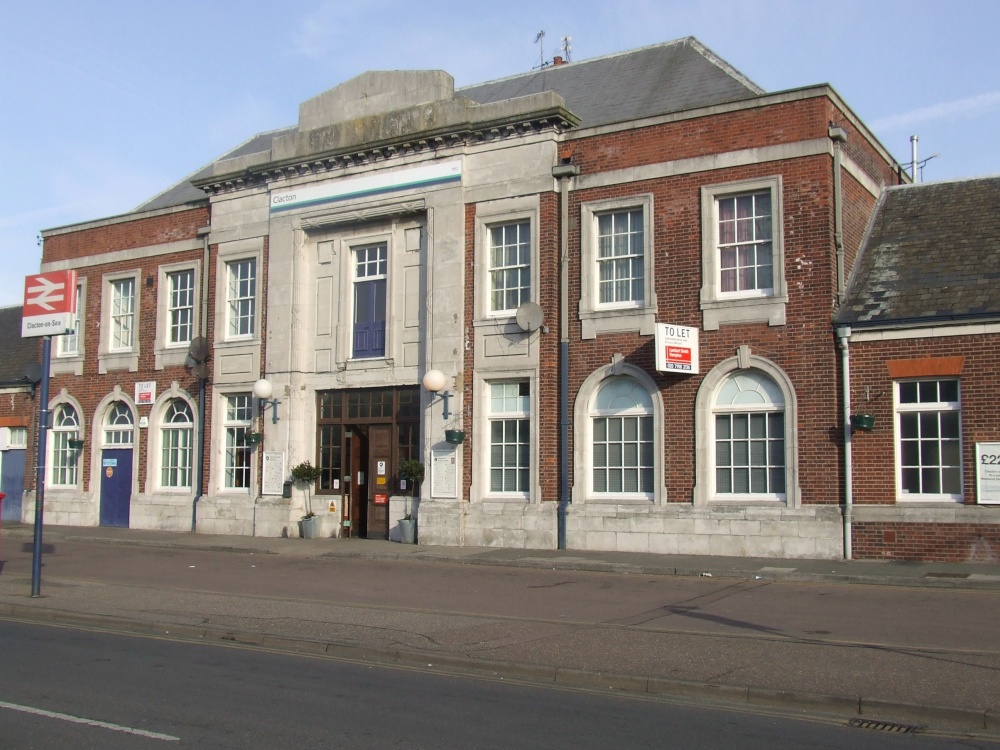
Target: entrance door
x=12, y=483
x=116, y=486
x=379, y=471
x=358, y=461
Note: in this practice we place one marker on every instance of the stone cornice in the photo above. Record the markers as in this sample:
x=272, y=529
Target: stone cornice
x=493, y=124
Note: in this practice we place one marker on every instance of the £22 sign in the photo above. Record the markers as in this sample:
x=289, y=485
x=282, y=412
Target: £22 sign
x=49, y=304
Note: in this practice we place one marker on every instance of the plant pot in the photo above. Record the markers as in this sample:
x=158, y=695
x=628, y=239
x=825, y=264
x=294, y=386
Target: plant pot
x=253, y=438
x=310, y=527
x=75, y=444
x=454, y=436
x=407, y=531
x=863, y=422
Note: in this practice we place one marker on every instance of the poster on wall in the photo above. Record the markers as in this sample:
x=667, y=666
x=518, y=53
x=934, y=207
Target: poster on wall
x=676, y=348
x=444, y=472
x=274, y=473
x=145, y=392
x=988, y=473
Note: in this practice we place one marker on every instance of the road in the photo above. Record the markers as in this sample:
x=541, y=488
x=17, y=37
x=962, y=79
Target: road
x=153, y=693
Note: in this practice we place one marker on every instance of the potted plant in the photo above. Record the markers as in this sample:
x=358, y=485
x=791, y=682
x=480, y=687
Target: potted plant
x=413, y=472
x=306, y=474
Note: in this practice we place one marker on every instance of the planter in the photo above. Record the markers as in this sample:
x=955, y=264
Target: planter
x=253, y=438
x=310, y=527
x=863, y=422
x=454, y=436
x=407, y=531
x=75, y=444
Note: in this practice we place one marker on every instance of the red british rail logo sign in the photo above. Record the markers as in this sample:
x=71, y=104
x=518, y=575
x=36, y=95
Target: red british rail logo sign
x=49, y=304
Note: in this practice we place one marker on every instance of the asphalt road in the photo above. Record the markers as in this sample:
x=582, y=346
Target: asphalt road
x=154, y=693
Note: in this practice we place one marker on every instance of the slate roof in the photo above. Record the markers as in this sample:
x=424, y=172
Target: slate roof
x=16, y=353
x=655, y=80
x=932, y=254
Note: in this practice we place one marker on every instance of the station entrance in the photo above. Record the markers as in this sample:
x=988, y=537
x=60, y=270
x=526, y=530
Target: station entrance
x=363, y=435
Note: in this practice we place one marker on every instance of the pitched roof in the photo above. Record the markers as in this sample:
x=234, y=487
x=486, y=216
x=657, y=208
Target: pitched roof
x=932, y=254
x=18, y=352
x=655, y=80
x=645, y=82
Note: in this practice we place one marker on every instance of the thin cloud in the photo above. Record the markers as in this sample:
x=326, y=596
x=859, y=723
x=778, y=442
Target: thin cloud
x=972, y=106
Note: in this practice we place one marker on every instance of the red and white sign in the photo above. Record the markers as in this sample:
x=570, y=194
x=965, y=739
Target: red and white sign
x=145, y=392
x=49, y=304
x=676, y=349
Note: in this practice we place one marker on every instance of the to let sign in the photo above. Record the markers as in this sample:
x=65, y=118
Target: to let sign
x=49, y=304
x=676, y=348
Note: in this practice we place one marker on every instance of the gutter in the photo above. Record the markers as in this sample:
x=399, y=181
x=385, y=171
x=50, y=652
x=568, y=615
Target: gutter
x=843, y=334
x=203, y=232
x=563, y=172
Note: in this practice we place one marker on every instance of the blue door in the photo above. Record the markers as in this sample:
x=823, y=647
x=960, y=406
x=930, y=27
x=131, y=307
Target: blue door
x=116, y=486
x=369, y=319
x=12, y=483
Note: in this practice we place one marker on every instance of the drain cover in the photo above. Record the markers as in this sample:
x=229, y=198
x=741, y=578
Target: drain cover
x=885, y=726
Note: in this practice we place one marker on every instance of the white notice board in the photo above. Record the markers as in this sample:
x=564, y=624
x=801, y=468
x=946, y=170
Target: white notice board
x=988, y=473
x=274, y=473
x=444, y=472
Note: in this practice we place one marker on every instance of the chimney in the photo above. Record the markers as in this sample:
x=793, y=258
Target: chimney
x=557, y=60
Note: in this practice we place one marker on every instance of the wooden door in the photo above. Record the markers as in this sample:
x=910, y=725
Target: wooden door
x=380, y=471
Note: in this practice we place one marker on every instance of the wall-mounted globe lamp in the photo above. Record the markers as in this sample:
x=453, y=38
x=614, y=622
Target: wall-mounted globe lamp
x=263, y=389
x=435, y=381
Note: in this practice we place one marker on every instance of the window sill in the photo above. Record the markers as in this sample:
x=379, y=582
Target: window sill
x=620, y=500
x=118, y=361
x=641, y=320
x=716, y=312
x=66, y=365
x=171, y=357
x=929, y=500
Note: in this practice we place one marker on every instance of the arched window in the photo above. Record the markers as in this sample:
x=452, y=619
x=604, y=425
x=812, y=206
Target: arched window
x=749, y=420
x=622, y=440
x=118, y=426
x=176, y=445
x=65, y=457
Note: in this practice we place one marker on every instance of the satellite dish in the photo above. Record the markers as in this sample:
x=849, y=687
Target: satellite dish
x=33, y=373
x=529, y=316
x=198, y=350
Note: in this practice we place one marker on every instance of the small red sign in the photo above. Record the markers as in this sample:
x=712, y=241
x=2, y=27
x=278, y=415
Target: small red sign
x=678, y=354
x=381, y=498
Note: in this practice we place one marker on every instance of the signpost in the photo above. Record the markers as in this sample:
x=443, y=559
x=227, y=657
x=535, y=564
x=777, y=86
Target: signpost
x=49, y=310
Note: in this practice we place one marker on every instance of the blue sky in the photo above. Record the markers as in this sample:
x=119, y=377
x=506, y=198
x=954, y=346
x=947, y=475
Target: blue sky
x=105, y=104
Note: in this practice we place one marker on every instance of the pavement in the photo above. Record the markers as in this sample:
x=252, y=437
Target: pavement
x=897, y=644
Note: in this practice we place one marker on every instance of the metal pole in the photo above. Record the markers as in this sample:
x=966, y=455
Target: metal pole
x=43, y=427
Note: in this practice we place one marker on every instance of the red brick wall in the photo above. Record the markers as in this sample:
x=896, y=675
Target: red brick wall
x=964, y=542
x=90, y=388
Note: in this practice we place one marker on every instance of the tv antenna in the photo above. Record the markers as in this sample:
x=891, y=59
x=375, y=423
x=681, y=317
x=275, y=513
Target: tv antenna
x=540, y=41
x=567, y=47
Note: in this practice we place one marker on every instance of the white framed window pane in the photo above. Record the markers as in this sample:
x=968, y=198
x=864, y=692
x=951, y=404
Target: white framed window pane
x=122, y=314
x=745, y=243
x=510, y=258
x=118, y=426
x=68, y=345
x=65, y=459
x=239, y=413
x=241, y=297
x=180, y=309
x=620, y=253
x=929, y=438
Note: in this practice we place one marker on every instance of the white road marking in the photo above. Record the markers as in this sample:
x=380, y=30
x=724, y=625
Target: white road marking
x=88, y=722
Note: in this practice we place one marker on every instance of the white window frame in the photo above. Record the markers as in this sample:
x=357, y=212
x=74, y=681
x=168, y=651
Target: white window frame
x=63, y=462
x=770, y=407
x=169, y=352
x=17, y=438
x=751, y=306
x=167, y=427
x=356, y=280
x=490, y=214
x=504, y=270
x=231, y=300
x=68, y=345
x=122, y=314
x=583, y=413
x=68, y=362
x=596, y=317
x=519, y=416
x=638, y=414
x=118, y=426
x=927, y=407
x=705, y=411
x=174, y=310
x=111, y=357
x=235, y=427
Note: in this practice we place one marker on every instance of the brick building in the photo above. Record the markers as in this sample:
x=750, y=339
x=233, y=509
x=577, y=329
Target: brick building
x=920, y=335
x=19, y=374
x=530, y=244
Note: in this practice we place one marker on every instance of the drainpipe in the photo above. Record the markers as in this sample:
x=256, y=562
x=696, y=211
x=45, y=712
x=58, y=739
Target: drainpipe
x=563, y=172
x=845, y=362
x=838, y=135
x=203, y=232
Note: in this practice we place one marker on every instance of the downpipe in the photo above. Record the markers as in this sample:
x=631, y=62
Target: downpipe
x=845, y=363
